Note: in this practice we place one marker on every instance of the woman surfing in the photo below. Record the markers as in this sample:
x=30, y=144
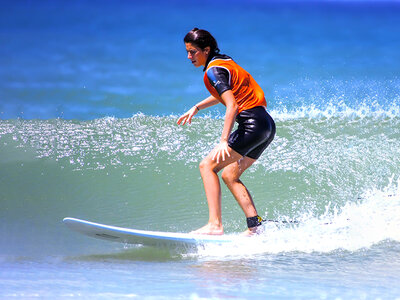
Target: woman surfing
x=231, y=85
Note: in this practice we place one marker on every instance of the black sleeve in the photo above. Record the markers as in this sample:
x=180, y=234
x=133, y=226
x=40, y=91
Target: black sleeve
x=219, y=79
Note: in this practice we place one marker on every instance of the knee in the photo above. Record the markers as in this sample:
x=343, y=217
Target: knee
x=229, y=177
x=208, y=165
x=205, y=165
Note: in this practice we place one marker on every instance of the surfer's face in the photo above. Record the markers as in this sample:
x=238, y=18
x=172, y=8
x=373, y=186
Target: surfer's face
x=197, y=56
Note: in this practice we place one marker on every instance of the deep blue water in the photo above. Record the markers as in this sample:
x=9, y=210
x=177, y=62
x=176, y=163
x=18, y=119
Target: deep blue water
x=86, y=60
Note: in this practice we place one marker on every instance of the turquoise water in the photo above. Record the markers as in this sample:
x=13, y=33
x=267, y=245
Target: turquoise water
x=89, y=98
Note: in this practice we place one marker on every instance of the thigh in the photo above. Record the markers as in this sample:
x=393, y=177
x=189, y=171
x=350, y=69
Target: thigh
x=217, y=166
x=255, y=129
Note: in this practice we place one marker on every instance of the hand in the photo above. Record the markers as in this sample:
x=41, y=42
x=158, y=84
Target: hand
x=221, y=151
x=187, y=117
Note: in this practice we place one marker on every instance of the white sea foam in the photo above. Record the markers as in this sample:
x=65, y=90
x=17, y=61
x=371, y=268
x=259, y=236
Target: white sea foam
x=341, y=110
x=355, y=226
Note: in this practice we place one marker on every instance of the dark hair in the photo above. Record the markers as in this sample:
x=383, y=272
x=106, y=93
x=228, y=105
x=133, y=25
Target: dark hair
x=202, y=39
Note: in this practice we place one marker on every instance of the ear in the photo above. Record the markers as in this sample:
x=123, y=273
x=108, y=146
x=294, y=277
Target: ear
x=207, y=50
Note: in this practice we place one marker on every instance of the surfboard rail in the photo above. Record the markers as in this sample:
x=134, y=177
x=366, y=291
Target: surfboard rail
x=143, y=237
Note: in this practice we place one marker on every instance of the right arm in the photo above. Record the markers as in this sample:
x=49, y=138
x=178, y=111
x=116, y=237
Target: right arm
x=187, y=117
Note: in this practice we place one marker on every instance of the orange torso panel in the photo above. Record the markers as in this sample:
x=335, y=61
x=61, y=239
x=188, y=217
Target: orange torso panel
x=245, y=89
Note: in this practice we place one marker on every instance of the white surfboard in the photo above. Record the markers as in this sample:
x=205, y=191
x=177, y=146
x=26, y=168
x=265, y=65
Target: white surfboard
x=144, y=237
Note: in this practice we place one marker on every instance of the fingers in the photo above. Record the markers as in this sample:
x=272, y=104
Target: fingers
x=216, y=155
x=187, y=117
x=184, y=119
x=225, y=151
x=221, y=152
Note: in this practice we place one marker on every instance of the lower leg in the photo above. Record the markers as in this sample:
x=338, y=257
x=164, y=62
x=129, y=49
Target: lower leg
x=242, y=195
x=209, y=172
x=231, y=175
x=212, y=189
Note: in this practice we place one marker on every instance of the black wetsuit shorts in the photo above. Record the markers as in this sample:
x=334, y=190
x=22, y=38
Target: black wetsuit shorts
x=256, y=130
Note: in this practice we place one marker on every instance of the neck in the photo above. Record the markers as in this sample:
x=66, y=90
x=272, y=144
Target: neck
x=209, y=58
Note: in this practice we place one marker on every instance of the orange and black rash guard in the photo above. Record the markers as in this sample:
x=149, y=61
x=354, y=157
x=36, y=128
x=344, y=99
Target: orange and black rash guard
x=222, y=74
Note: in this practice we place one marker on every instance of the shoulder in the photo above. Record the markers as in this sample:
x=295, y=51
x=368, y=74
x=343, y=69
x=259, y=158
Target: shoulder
x=219, y=58
x=218, y=75
x=218, y=64
x=214, y=72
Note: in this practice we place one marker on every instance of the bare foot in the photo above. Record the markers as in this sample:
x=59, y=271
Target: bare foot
x=253, y=231
x=210, y=229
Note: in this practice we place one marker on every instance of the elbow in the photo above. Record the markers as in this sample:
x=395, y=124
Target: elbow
x=234, y=108
x=230, y=102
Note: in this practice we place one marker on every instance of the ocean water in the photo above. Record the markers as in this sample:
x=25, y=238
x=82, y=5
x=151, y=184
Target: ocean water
x=89, y=97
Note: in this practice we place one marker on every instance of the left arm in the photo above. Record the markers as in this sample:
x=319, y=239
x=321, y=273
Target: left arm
x=187, y=117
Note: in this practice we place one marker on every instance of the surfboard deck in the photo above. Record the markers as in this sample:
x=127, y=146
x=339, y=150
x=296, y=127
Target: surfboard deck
x=144, y=237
